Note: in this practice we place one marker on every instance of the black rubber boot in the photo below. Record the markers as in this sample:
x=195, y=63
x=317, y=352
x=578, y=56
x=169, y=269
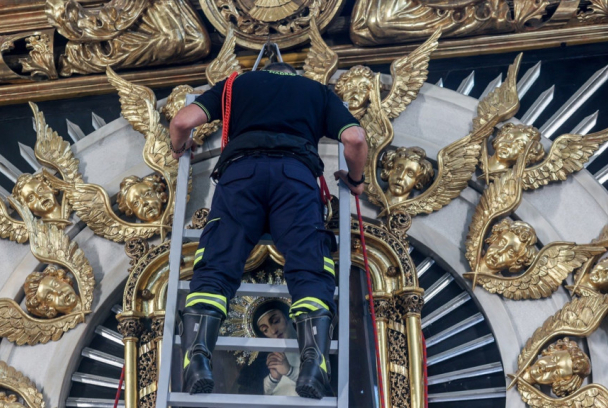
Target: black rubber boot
x=314, y=338
x=199, y=330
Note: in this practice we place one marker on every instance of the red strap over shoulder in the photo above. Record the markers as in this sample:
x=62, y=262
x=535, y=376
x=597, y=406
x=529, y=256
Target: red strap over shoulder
x=226, y=106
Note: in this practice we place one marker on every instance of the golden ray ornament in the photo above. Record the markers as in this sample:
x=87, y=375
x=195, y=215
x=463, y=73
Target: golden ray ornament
x=49, y=294
x=512, y=245
x=127, y=34
x=91, y=202
x=21, y=388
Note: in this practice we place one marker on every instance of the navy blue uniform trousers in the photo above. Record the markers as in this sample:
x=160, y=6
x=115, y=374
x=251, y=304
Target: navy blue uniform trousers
x=257, y=194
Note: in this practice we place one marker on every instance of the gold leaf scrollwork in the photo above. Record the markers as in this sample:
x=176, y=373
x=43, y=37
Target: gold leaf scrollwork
x=50, y=245
x=127, y=34
x=22, y=388
x=39, y=63
x=321, y=61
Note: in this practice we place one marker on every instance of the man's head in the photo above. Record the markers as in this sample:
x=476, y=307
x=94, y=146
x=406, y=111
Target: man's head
x=49, y=293
x=354, y=86
x=406, y=169
x=270, y=320
x=35, y=192
x=143, y=198
x=563, y=365
x=511, y=142
x=280, y=67
x=512, y=246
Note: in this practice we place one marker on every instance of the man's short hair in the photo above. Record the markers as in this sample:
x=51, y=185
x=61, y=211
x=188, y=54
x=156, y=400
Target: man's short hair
x=281, y=67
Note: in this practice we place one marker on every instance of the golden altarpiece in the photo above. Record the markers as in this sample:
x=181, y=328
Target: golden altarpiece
x=452, y=175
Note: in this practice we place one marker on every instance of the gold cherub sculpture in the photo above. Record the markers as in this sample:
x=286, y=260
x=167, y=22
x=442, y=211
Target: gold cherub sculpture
x=406, y=169
x=142, y=197
x=48, y=294
x=18, y=390
x=512, y=245
x=567, y=155
x=35, y=190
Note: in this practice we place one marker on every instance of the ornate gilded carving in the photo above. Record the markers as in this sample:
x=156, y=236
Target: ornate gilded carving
x=226, y=62
x=127, y=34
x=130, y=326
x=135, y=248
x=143, y=198
x=49, y=294
x=580, y=317
x=199, y=219
x=39, y=63
x=407, y=168
x=567, y=155
x=380, y=22
x=285, y=22
x=512, y=245
x=321, y=62
x=409, y=303
x=21, y=389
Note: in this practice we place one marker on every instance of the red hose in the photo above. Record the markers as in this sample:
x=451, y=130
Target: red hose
x=371, y=303
x=226, y=106
x=122, y=378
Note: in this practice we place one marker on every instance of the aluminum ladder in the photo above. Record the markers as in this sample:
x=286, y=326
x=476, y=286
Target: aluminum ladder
x=165, y=397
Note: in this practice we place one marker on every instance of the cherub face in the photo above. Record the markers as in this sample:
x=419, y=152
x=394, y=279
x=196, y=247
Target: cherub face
x=58, y=294
x=599, y=277
x=273, y=324
x=39, y=198
x=551, y=368
x=356, y=92
x=510, y=145
x=404, y=176
x=505, y=251
x=144, y=201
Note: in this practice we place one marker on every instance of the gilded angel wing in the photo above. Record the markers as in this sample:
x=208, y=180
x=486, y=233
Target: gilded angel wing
x=321, y=61
x=568, y=155
x=50, y=244
x=591, y=396
x=548, y=270
x=456, y=164
x=225, y=63
x=18, y=327
x=11, y=228
x=15, y=380
x=52, y=150
x=379, y=134
x=503, y=102
x=93, y=206
x=580, y=317
x=500, y=198
x=132, y=99
x=409, y=73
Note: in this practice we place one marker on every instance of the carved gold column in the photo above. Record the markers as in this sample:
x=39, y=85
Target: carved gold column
x=382, y=307
x=158, y=323
x=409, y=303
x=130, y=327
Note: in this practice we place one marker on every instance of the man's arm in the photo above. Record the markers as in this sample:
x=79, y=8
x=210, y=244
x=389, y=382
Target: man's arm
x=355, y=153
x=182, y=124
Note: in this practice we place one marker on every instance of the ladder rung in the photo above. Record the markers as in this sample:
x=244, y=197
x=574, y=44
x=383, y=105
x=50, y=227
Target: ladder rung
x=257, y=344
x=251, y=401
x=254, y=289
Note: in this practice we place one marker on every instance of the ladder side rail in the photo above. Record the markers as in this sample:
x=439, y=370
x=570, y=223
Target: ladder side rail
x=343, y=289
x=175, y=257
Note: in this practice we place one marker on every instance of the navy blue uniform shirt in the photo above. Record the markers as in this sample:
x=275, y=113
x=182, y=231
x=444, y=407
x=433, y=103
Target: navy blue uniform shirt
x=280, y=102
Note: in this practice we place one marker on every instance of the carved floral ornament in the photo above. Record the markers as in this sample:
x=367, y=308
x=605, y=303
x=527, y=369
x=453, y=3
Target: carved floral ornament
x=21, y=391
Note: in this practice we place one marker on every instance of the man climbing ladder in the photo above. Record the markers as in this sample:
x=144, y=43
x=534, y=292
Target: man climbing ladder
x=267, y=183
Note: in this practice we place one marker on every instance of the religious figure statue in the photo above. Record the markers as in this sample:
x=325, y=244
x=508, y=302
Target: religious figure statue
x=50, y=293
x=512, y=245
x=127, y=34
x=562, y=365
x=142, y=197
x=405, y=169
x=35, y=192
x=568, y=154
